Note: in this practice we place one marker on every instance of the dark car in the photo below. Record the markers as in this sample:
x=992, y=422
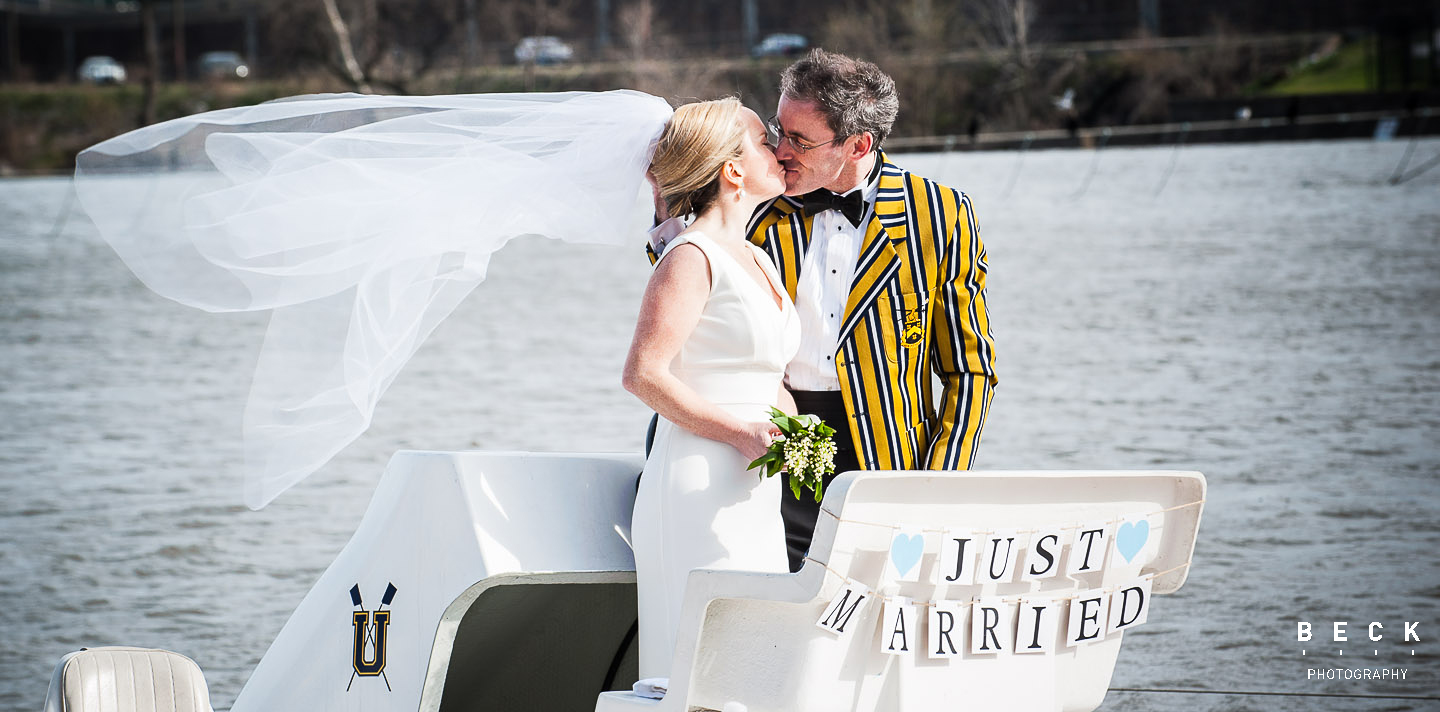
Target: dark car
x=222, y=65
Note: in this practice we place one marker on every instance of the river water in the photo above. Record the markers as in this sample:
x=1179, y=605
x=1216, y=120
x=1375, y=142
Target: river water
x=1266, y=314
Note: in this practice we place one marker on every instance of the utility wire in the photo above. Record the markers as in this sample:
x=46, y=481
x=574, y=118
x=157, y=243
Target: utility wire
x=1015, y=173
x=1094, y=164
x=1174, y=157
x=1396, y=176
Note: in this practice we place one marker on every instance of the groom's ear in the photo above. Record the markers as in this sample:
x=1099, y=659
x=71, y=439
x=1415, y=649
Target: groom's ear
x=864, y=143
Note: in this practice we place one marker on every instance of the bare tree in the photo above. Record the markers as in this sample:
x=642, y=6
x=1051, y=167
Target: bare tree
x=346, y=47
x=638, y=27
x=413, y=38
x=1003, y=25
x=177, y=27
x=151, y=31
x=862, y=30
x=519, y=18
x=371, y=45
x=926, y=25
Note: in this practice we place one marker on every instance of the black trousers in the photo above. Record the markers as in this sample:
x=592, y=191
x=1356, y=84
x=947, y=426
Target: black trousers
x=801, y=514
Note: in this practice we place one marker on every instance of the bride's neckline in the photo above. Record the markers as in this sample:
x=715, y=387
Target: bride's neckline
x=769, y=286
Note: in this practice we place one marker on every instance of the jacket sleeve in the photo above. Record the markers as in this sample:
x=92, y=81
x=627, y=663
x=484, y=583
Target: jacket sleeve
x=660, y=236
x=963, y=351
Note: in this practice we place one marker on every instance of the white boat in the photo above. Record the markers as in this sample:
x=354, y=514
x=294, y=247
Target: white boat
x=505, y=581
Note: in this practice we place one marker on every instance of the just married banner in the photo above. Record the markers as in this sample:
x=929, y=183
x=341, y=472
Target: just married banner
x=967, y=565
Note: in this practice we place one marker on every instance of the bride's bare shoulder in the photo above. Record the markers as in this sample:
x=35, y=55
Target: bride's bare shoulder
x=684, y=263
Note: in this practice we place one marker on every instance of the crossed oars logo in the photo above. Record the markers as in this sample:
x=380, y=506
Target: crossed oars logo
x=372, y=635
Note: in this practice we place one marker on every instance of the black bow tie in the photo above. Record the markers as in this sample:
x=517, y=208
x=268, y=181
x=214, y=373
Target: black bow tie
x=851, y=205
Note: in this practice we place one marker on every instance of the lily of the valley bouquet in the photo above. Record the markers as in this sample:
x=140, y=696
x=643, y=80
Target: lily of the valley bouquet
x=805, y=451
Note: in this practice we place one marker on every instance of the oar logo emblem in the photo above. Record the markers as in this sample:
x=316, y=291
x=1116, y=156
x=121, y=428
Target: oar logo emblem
x=371, y=628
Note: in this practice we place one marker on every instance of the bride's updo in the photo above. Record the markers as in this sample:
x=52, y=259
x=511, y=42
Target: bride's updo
x=695, y=145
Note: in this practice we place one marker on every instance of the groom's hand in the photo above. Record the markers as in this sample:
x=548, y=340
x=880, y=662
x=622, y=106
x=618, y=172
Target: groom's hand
x=662, y=212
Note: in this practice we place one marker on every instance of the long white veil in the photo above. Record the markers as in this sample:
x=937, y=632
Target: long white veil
x=362, y=222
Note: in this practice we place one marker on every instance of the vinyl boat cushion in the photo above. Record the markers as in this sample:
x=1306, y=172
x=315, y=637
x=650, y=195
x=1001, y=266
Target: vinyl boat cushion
x=120, y=679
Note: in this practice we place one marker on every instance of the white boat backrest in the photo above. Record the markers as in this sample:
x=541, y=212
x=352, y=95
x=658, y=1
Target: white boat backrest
x=806, y=642
x=120, y=679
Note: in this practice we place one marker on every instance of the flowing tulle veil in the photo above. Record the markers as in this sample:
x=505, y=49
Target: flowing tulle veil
x=361, y=222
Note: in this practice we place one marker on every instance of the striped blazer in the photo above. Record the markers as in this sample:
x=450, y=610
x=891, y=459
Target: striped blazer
x=916, y=310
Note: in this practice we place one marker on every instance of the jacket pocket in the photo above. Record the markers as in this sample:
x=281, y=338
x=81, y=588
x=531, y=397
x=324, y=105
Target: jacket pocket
x=908, y=333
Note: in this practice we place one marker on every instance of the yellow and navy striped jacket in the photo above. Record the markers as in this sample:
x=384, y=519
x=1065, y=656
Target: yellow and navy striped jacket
x=916, y=309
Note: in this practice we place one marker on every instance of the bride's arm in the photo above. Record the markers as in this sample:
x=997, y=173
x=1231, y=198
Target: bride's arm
x=670, y=310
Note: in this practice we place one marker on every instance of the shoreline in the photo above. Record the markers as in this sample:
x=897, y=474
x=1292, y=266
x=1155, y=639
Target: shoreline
x=1361, y=125
x=1323, y=127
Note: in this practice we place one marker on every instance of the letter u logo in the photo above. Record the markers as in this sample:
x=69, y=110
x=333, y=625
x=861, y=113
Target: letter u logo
x=363, y=628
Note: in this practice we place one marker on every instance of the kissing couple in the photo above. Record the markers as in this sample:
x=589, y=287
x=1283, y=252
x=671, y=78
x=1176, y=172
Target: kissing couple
x=797, y=268
x=813, y=276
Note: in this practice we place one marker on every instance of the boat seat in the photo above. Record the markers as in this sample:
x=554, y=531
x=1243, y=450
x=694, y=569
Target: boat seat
x=121, y=679
x=751, y=640
x=475, y=581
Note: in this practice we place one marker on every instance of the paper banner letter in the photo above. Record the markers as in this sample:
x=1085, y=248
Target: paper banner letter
x=843, y=607
x=1037, y=626
x=946, y=629
x=1087, y=618
x=957, y=558
x=998, y=557
x=1130, y=606
x=907, y=545
x=1088, y=549
x=1042, y=558
x=898, y=626
x=991, y=626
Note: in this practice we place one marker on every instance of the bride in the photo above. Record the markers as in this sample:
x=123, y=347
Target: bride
x=361, y=222
x=715, y=332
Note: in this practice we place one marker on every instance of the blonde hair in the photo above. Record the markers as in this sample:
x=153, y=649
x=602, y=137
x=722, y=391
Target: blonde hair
x=695, y=145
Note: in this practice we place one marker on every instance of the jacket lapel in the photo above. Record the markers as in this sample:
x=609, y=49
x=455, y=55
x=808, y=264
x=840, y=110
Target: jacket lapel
x=784, y=232
x=879, y=259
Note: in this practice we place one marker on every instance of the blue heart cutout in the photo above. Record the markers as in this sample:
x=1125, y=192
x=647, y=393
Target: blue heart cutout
x=905, y=552
x=1131, y=538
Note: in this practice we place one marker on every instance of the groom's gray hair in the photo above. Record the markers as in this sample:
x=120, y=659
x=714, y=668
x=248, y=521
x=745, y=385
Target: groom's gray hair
x=854, y=95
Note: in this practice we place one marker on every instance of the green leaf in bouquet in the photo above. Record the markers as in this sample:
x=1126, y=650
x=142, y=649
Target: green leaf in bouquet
x=795, y=486
x=787, y=424
x=769, y=456
x=778, y=417
x=824, y=430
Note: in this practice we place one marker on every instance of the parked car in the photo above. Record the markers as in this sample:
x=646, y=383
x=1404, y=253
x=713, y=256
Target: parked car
x=780, y=44
x=101, y=70
x=543, y=50
x=222, y=65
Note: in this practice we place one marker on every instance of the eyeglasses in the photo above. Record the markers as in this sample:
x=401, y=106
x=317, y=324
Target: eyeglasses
x=774, y=134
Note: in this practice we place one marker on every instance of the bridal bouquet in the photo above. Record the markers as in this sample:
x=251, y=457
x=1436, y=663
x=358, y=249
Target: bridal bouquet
x=805, y=451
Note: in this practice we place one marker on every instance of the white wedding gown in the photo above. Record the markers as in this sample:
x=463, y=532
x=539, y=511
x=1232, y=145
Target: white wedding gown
x=698, y=506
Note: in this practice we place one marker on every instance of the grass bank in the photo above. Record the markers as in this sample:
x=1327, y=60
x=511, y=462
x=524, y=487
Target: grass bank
x=43, y=127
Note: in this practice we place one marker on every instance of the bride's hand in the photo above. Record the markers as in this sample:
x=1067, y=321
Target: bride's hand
x=755, y=439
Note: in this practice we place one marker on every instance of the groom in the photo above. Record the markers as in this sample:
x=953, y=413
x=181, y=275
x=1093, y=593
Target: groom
x=887, y=272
